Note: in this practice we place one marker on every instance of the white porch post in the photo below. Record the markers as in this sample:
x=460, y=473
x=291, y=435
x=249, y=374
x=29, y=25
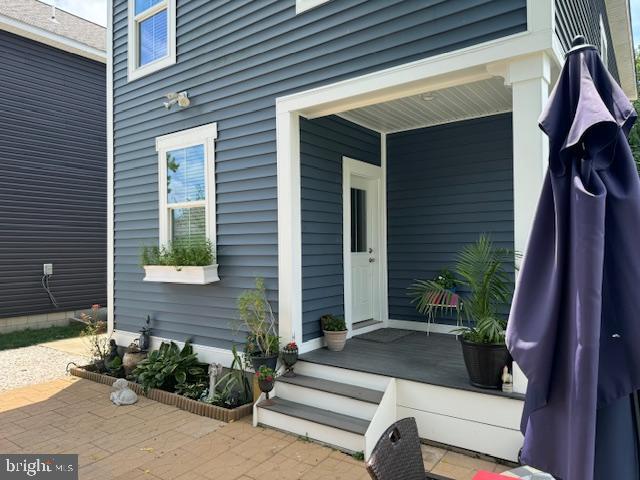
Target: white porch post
x=529, y=78
x=289, y=227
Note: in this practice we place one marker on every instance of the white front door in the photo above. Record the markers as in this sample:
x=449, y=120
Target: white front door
x=362, y=241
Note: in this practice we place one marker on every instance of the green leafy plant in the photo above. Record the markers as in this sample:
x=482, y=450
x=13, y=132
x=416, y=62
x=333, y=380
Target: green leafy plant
x=194, y=390
x=265, y=373
x=257, y=318
x=446, y=279
x=232, y=389
x=196, y=253
x=168, y=367
x=333, y=323
x=114, y=367
x=480, y=269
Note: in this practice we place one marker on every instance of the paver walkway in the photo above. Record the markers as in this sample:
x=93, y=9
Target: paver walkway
x=150, y=441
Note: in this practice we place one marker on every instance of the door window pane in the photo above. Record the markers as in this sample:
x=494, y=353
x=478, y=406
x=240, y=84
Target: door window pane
x=153, y=38
x=185, y=175
x=358, y=220
x=188, y=225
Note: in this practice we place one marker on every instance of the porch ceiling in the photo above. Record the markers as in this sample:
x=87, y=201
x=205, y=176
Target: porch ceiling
x=461, y=102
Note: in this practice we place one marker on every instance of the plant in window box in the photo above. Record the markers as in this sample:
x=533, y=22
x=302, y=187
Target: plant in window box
x=335, y=332
x=289, y=358
x=257, y=318
x=192, y=262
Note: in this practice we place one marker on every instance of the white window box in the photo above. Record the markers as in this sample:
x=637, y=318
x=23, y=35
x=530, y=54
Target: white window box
x=187, y=275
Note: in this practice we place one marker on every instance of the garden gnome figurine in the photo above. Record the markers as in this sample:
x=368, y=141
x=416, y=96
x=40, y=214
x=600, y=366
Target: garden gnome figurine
x=215, y=369
x=122, y=394
x=507, y=380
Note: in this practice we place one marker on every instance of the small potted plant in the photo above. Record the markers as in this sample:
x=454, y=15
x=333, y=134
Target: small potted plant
x=266, y=380
x=446, y=280
x=335, y=332
x=289, y=358
x=256, y=315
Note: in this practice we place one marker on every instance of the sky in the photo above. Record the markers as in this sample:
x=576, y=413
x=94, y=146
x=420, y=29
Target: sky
x=93, y=10
x=96, y=11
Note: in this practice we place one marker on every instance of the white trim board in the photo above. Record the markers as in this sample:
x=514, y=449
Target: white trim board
x=46, y=37
x=205, y=353
x=110, y=160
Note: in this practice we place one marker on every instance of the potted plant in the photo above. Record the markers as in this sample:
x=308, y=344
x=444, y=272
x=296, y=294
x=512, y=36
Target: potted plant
x=446, y=280
x=481, y=275
x=289, y=358
x=191, y=262
x=335, y=332
x=266, y=380
x=256, y=315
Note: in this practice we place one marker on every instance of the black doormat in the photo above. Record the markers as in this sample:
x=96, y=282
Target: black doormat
x=385, y=335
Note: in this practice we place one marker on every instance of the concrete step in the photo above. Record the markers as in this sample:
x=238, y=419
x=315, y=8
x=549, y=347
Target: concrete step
x=341, y=431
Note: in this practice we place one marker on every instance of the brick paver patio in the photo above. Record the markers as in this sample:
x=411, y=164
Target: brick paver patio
x=154, y=441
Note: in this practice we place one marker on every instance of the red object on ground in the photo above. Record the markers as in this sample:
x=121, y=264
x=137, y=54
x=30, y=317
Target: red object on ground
x=489, y=476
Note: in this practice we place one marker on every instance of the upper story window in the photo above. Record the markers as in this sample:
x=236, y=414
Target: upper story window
x=186, y=184
x=304, y=5
x=152, y=36
x=604, y=43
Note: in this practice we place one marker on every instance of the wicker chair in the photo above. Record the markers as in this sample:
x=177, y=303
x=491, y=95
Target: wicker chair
x=397, y=455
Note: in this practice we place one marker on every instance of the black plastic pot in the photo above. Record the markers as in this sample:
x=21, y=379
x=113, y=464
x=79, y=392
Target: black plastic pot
x=485, y=363
x=270, y=361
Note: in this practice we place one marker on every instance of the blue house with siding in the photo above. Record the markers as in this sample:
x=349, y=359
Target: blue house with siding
x=339, y=150
x=53, y=195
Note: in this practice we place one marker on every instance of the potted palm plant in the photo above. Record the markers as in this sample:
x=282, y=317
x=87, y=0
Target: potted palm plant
x=484, y=284
x=263, y=344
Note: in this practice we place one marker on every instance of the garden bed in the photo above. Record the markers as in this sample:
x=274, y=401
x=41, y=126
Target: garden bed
x=169, y=398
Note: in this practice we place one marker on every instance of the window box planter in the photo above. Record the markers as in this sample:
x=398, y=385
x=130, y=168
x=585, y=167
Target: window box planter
x=186, y=275
x=169, y=398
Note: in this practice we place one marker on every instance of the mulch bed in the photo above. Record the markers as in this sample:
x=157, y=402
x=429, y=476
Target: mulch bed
x=173, y=399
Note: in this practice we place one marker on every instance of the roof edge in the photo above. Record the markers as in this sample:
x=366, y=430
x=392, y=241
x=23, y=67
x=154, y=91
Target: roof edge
x=52, y=39
x=619, y=16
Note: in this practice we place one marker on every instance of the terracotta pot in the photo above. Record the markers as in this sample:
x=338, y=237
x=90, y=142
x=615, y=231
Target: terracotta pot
x=335, y=340
x=130, y=361
x=485, y=363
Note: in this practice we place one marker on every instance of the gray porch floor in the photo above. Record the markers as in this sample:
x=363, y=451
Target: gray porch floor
x=435, y=359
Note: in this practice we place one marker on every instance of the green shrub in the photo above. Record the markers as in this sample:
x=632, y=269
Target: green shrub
x=233, y=389
x=333, y=323
x=191, y=254
x=169, y=368
x=257, y=318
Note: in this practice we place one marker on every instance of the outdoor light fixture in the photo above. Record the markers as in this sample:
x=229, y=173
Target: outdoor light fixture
x=181, y=98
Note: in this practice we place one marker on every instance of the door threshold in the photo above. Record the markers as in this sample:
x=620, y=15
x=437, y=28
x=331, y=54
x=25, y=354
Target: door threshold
x=365, y=323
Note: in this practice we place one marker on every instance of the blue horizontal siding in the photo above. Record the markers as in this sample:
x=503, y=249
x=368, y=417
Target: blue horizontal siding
x=323, y=143
x=53, y=195
x=235, y=58
x=446, y=186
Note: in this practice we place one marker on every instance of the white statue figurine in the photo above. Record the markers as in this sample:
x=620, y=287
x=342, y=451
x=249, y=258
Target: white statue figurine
x=215, y=370
x=507, y=380
x=122, y=394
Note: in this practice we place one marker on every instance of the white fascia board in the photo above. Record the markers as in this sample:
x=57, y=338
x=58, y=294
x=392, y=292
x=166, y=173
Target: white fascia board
x=41, y=35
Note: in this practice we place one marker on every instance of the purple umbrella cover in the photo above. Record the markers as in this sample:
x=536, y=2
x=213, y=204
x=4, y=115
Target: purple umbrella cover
x=574, y=326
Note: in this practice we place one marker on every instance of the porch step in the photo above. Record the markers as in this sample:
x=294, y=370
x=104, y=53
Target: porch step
x=340, y=431
x=318, y=415
x=351, y=391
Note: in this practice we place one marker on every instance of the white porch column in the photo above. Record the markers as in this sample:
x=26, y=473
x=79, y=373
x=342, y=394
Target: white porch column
x=289, y=227
x=529, y=79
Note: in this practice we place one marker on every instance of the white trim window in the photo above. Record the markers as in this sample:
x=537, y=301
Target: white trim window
x=186, y=185
x=152, y=36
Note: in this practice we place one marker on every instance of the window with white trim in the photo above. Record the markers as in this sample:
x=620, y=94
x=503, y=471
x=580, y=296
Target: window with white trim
x=152, y=36
x=604, y=44
x=186, y=185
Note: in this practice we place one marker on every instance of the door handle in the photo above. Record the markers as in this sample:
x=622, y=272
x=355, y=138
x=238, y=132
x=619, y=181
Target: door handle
x=370, y=250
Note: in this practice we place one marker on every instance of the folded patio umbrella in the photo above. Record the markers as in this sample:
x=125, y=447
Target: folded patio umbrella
x=574, y=326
